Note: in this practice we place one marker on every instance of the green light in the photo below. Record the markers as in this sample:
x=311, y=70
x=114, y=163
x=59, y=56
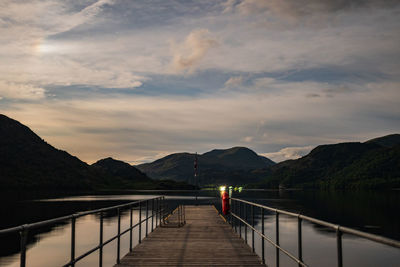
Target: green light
x=240, y=189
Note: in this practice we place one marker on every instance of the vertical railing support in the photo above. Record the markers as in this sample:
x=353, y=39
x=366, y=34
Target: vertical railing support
x=140, y=222
x=101, y=241
x=262, y=238
x=245, y=225
x=240, y=222
x=73, y=222
x=184, y=215
x=152, y=213
x=277, y=237
x=252, y=230
x=24, y=237
x=130, y=228
x=119, y=236
x=230, y=213
x=299, y=240
x=339, y=247
x=147, y=217
x=156, y=212
x=235, y=220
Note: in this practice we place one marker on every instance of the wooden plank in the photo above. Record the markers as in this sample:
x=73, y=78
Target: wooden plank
x=205, y=240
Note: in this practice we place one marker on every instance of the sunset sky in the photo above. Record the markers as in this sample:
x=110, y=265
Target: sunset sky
x=137, y=80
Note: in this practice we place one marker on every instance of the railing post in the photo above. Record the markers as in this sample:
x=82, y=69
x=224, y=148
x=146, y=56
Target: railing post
x=184, y=215
x=245, y=225
x=235, y=220
x=156, y=212
x=240, y=216
x=252, y=230
x=101, y=241
x=73, y=222
x=130, y=229
x=262, y=238
x=152, y=214
x=277, y=237
x=119, y=236
x=147, y=216
x=24, y=237
x=140, y=222
x=339, y=247
x=299, y=240
x=159, y=211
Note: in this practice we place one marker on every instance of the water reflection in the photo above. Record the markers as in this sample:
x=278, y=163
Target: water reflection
x=319, y=245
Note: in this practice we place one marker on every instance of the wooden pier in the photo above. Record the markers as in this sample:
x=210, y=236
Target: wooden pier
x=205, y=240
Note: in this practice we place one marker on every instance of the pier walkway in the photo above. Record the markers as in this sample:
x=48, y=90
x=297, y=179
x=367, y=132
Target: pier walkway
x=205, y=240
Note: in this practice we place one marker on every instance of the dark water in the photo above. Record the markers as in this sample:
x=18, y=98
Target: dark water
x=374, y=212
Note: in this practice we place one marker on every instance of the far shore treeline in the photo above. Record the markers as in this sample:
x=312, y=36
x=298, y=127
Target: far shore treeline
x=28, y=163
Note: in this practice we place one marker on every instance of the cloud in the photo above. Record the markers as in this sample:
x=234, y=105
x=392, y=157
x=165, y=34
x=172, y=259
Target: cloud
x=133, y=127
x=247, y=139
x=302, y=8
x=188, y=54
x=12, y=90
x=234, y=82
x=48, y=17
x=288, y=153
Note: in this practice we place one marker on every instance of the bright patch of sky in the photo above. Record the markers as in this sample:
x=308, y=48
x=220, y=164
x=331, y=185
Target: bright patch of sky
x=139, y=79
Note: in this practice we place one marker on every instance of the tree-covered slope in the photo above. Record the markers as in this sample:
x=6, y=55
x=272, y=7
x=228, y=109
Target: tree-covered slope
x=373, y=164
x=217, y=166
x=28, y=162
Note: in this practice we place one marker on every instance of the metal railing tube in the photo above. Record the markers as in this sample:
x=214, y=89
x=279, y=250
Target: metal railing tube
x=339, y=247
x=240, y=215
x=299, y=240
x=101, y=241
x=245, y=226
x=156, y=212
x=252, y=230
x=272, y=242
x=140, y=222
x=130, y=228
x=376, y=238
x=73, y=223
x=235, y=221
x=147, y=216
x=277, y=237
x=152, y=213
x=24, y=229
x=119, y=236
x=23, y=239
x=262, y=239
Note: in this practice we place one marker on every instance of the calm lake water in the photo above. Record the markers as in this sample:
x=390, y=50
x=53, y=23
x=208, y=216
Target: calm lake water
x=374, y=212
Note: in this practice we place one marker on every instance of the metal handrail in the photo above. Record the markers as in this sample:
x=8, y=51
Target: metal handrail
x=157, y=204
x=339, y=231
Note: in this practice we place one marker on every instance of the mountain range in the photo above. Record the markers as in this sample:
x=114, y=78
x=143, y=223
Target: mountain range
x=372, y=164
x=28, y=162
x=214, y=167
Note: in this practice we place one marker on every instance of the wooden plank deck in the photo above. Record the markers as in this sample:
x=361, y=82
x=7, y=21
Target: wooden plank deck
x=205, y=240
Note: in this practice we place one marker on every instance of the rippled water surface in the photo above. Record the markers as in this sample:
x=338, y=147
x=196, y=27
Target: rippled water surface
x=374, y=212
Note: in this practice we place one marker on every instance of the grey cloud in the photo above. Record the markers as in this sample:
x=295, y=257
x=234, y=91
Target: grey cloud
x=303, y=8
x=192, y=50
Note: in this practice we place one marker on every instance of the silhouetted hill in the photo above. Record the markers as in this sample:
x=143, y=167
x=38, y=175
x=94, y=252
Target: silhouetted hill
x=136, y=178
x=386, y=141
x=121, y=169
x=217, y=166
x=373, y=164
x=28, y=162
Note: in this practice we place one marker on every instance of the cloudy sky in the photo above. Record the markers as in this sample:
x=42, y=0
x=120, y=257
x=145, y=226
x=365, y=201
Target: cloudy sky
x=139, y=79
